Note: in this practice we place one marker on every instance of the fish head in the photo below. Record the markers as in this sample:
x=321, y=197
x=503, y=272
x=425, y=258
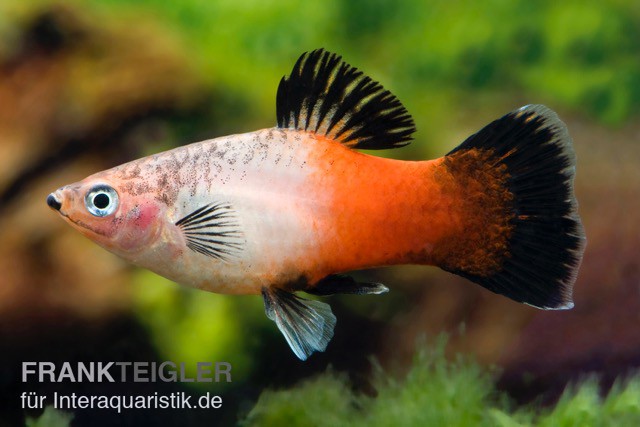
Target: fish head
x=101, y=208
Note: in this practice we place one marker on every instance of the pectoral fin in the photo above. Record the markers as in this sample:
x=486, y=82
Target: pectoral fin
x=213, y=230
x=306, y=325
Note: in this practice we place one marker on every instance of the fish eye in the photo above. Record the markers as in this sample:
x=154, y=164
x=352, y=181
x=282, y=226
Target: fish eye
x=101, y=200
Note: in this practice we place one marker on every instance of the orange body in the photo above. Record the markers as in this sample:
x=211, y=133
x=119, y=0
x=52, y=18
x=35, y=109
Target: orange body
x=386, y=212
x=381, y=212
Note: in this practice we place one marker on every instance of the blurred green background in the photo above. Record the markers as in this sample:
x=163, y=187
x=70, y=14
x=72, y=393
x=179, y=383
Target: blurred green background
x=86, y=85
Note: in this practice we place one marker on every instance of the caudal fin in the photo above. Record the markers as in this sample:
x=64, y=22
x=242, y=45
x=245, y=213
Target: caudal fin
x=524, y=239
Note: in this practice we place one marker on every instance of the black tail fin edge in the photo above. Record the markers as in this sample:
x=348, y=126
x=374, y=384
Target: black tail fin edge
x=547, y=240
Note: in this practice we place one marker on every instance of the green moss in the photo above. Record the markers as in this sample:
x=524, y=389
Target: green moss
x=51, y=417
x=324, y=401
x=439, y=392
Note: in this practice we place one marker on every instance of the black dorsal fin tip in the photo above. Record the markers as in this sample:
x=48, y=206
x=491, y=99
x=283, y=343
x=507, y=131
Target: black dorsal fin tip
x=325, y=95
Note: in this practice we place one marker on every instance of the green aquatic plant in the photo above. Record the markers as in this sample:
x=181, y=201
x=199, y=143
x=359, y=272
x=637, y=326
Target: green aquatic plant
x=51, y=417
x=440, y=392
x=434, y=391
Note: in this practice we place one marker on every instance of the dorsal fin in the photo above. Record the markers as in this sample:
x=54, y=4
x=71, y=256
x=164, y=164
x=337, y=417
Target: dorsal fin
x=327, y=96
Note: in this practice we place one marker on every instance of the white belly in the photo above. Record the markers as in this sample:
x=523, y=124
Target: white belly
x=264, y=178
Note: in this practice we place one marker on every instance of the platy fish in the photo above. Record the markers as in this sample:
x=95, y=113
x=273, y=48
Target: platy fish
x=294, y=207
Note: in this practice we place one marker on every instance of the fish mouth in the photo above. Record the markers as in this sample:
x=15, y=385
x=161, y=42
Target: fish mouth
x=53, y=202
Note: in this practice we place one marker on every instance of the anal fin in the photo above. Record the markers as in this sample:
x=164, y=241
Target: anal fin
x=342, y=284
x=307, y=325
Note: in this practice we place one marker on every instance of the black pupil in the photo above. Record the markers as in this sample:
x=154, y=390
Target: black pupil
x=101, y=201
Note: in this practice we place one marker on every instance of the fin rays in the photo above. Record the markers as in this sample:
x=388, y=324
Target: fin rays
x=325, y=95
x=343, y=284
x=212, y=230
x=306, y=325
x=548, y=240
